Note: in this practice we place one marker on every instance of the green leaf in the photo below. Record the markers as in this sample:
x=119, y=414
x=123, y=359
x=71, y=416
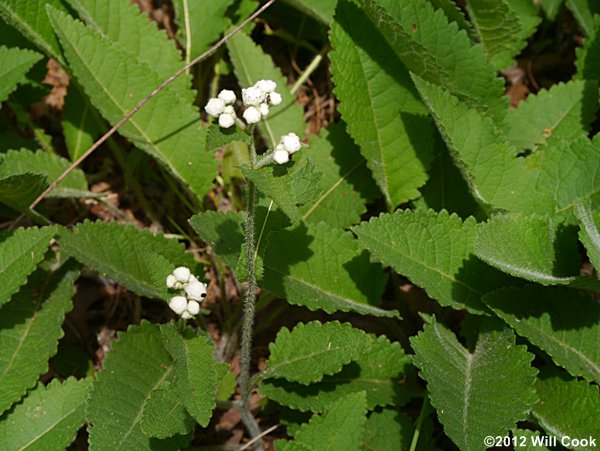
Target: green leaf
x=588, y=231
x=567, y=407
x=19, y=191
x=378, y=371
x=48, y=418
x=134, y=257
x=167, y=127
x=117, y=400
x=480, y=393
x=563, y=112
x=454, y=14
x=421, y=38
x=551, y=8
x=52, y=166
x=322, y=268
x=380, y=105
x=345, y=183
x=30, y=327
x=196, y=376
x=588, y=66
x=435, y=251
x=15, y=64
x=30, y=18
x=388, y=430
x=562, y=322
x=80, y=122
x=531, y=247
x=164, y=414
x=222, y=231
x=341, y=427
x=20, y=253
x=322, y=10
x=200, y=24
x=584, y=11
x=313, y=350
x=250, y=65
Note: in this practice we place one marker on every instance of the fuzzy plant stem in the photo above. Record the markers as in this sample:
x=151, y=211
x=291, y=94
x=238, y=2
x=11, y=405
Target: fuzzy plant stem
x=249, y=306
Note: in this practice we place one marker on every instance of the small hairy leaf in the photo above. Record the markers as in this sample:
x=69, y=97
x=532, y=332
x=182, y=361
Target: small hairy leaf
x=322, y=268
x=454, y=14
x=388, y=430
x=30, y=327
x=478, y=393
x=194, y=371
x=377, y=371
x=48, y=418
x=18, y=191
x=15, y=64
x=435, y=251
x=588, y=232
x=25, y=161
x=568, y=407
x=20, y=252
x=133, y=257
x=223, y=231
x=340, y=427
x=313, y=350
x=155, y=423
x=80, y=122
x=136, y=365
x=561, y=321
x=250, y=65
x=531, y=247
x=380, y=105
x=167, y=127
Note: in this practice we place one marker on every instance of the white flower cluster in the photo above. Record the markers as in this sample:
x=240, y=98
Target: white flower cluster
x=257, y=99
x=195, y=291
x=288, y=144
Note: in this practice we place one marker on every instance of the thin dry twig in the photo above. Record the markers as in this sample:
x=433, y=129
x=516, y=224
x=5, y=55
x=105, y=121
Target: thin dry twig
x=258, y=437
x=145, y=100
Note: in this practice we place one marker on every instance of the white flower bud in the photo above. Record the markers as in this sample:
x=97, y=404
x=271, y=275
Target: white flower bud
x=264, y=109
x=193, y=308
x=252, y=115
x=182, y=274
x=267, y=86
x=227, y=96
x=171, y=281
x=291, y=142
x=178, y=304
x=195, y=290
x=214, y=107
x=280, y=156
x=226, y=120
x=186, y=315
x=275, y=98
x=253, y=96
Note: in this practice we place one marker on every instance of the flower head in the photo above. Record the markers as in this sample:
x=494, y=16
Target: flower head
x=186, y=304
x=214, y=107
x=291, y=143
x=227, y=96
x=252, y=115
x=253, y=96
x=280, y=156
x=268, y=86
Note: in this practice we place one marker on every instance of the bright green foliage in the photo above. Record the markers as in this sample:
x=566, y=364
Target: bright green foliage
x=567, y=407
x=313, y=350
x=322, y=268
x=435, y=251
x=136, y=365
x=321, y=10
x=340, y=427
x=588, y=231
x=478, y=393
x=223, y=231
x=25, y=161
x=380, y=105
x=584, y=11
x=530, y=247
x=422, y=37
x=345, y=182
x=80, y=122
x=454, y=14
x=30, y=327
x=15, y=64
x=588, y=66
x=48, y=418
x=18, y=191
x=20, y=252
x=377, y=371
x=217, y=137
x=155, y=423
x=388, y=430
x=200, y=24
x=561, y=321
x=167, y=127
x=250, y=65
x=561, y=113
x=194, y=371
x=134, y=257
x=30, y=18
x=551, y=8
